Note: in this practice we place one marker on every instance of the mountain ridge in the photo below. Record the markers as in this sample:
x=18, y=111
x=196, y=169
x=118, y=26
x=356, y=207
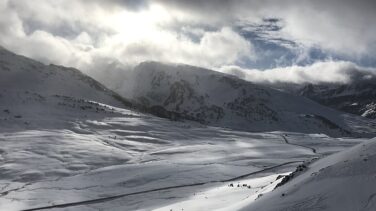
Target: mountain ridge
x=223, y=100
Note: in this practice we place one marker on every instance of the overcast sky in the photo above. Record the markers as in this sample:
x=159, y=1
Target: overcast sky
x=219, y=34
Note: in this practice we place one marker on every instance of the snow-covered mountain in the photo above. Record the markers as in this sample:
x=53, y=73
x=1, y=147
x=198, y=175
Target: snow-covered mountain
x=209, y=97
x=358, y=97
x=30, y=89
x=19, y=73
x=166, y=90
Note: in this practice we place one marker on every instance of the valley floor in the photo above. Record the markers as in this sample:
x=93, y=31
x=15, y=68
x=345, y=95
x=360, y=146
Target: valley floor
x=131, y=161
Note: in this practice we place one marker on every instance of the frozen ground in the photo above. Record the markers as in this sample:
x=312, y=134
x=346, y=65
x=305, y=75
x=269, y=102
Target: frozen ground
x=124, y=160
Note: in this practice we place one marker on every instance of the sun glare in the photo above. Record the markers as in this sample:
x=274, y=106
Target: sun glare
x=138, y=23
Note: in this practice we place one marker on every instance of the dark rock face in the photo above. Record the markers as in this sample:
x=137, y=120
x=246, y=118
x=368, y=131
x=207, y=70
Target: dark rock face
x=358, y=97
x=179, y=92
x=194, y=95
x=252, y=111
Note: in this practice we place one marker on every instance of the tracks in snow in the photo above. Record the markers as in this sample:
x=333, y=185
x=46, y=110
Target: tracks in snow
x=287, y=142
x=110, y=198
x=369, y=201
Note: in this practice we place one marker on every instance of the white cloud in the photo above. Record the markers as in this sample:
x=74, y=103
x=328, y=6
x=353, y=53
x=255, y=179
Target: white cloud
x=340, y=26
x=345, y=27
x=72, y=33
x=319, y=72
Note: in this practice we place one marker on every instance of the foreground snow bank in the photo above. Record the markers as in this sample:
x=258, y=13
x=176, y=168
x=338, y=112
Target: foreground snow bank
x=227, y=196
x=343, y=181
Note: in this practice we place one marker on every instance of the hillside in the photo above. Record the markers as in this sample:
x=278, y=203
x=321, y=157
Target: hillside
x=213, y=98
x=358, y=97
x=30, y=89
x=344, y=181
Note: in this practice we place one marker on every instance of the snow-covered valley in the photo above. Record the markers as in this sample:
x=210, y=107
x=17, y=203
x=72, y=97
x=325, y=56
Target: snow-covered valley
x=69, y=143
x=128, y=153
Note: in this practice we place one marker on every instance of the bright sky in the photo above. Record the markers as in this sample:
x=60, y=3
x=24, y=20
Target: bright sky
x=218, y=34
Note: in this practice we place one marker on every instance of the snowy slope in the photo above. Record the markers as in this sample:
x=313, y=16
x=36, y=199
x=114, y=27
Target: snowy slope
x=19, y=74
x=209, y=97
x=29, y=89
x=344, y=181
x=130, y=161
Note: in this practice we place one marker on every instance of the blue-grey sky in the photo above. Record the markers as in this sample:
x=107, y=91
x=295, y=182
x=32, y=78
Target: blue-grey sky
x=218, y=34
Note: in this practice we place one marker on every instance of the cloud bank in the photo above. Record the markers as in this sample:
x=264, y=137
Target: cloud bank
x=217, y=34
x=320, y=72
x=342, y=26
x=73, y=33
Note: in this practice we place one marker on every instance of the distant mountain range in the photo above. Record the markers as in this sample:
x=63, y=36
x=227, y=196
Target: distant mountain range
x=358, y=97
x=178, y=92
x=213, y=98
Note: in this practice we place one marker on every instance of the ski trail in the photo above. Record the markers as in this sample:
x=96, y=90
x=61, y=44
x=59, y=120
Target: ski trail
x=110, y=198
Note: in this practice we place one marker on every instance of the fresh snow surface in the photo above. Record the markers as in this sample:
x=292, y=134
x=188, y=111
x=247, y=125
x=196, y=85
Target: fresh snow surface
x=344, y=181
x=227, y=196
x=125, y=152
